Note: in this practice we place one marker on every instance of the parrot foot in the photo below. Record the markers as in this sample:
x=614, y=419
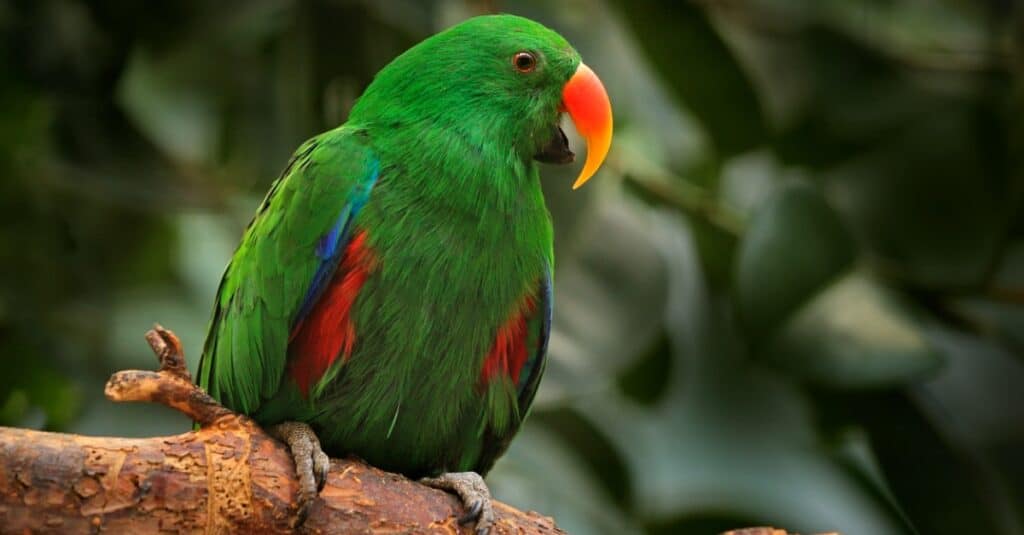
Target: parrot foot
x=473, y=492
x=311, y=463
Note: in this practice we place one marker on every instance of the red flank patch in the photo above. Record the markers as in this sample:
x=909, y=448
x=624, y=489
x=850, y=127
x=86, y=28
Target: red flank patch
x=328, y=331
x=509, y=352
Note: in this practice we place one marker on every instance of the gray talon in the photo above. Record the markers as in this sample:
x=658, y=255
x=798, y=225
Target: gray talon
x=311, y=463
x=473, y=492
x=303, y=513
x=322, y=466
x=472, y=514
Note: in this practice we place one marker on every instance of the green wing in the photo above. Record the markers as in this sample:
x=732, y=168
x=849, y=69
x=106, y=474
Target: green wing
x=494, y=442
x=288, y=253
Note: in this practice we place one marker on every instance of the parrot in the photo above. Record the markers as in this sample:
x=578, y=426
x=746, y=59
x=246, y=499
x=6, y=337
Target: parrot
x=392, y=297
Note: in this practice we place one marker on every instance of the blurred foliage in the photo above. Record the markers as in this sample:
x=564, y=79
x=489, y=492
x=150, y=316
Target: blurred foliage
x=794, y=296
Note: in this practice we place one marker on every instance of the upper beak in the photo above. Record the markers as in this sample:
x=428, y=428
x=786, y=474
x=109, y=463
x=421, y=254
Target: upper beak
x=587, y=102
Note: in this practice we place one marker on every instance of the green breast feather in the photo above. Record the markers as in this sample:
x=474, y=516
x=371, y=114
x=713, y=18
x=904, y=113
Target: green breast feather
x=394, y=289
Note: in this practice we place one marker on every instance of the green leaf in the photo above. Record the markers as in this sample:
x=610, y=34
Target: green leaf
x=15, y=408
x=1007, y=280
x=540, y=473
x=177, y=117
x=58, y=396
x=931, y=203
x=940, y=484
x=794, y=246
x=717, y=249
x=855, y=334
x=963, y=475
x=610, y=291
x=696, y=63
x=1001, y=320
x=728, y=436
x=41, y=398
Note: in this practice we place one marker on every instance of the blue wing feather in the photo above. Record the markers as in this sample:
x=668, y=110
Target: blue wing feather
x=277, y=273
x=332, y=244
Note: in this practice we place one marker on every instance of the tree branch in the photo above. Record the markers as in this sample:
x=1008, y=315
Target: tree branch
x=228, y=476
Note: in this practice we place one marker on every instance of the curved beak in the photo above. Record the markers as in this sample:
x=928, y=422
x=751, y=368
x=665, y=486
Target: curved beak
x=587, y=102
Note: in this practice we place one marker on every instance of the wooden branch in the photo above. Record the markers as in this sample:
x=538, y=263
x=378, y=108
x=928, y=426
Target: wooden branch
x=227, y=477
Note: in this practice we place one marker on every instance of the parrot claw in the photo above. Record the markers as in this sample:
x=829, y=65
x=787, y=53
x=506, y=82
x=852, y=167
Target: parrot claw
x=311, y=463
x=473, y=513
x=473, y=492
x=321, y=467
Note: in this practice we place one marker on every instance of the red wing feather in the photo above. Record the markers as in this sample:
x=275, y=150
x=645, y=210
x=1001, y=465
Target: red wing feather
x=327, y=332
x=510, y=351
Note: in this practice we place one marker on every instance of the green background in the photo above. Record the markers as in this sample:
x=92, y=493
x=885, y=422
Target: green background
x=794, y=295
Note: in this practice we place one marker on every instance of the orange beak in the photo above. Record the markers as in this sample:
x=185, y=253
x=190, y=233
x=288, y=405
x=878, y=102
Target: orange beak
x=587, y=102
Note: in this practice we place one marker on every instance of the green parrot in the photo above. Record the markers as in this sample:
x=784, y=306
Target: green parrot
x=392, y=296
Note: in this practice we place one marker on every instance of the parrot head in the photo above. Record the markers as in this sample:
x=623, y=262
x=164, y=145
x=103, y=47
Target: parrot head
x=497, y=79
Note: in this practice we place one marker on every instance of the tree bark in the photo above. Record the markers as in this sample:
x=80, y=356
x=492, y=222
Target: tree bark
x=226, y=477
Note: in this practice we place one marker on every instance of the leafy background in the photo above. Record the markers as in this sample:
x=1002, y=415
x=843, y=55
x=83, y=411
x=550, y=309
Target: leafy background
x=794, y=295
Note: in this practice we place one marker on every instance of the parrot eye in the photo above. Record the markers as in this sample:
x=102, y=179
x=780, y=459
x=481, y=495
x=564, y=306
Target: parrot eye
x=524, y=62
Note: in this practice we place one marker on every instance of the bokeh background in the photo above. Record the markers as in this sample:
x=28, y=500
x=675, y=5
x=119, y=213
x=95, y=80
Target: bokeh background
x=793, y=296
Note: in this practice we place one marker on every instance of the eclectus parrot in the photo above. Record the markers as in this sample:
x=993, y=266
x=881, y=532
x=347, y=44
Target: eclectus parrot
x=392, y=296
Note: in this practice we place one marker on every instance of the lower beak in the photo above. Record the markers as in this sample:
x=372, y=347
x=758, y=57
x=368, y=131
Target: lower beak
x=586, y=101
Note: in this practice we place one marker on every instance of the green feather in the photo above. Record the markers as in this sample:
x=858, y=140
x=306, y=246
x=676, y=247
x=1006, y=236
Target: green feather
x=460, y=234
x=266, y=282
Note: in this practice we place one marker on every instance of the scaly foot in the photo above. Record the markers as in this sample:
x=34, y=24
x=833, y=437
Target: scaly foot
x=473, y=492
x=311, y=463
